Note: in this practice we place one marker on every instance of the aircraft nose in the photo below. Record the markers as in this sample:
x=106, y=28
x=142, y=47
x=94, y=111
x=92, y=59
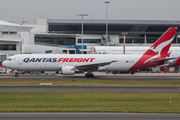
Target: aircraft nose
x=5, y=63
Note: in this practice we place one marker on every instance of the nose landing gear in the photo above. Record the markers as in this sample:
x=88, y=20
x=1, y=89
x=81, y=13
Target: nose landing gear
x=16, y=74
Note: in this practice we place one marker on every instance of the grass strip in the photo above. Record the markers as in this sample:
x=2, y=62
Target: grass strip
x=173, y=83
x=133, y=102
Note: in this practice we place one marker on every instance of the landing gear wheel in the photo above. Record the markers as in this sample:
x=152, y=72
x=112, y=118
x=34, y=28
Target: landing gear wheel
x=91, y=75
x=132, y=73
x=87, y=75
x=16, y=75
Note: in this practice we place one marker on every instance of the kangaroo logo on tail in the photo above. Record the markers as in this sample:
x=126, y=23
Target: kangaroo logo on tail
x=159, y=50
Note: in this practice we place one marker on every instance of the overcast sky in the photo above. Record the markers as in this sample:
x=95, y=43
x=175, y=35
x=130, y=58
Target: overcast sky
x=30, y=10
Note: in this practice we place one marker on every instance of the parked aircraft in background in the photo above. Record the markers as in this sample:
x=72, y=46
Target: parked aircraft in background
x=117, y=50
x=70, y=64
x=129, y=50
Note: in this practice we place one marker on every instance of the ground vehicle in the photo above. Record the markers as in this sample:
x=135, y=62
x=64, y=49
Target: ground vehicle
x=2, y=69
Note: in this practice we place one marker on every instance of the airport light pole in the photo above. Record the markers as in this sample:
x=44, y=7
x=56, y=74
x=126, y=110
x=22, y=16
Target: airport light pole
x=107, y=2
x=124, y=35
x=82, y=28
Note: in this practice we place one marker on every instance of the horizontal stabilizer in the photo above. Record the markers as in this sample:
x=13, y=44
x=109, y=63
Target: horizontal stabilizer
x=164, y=65
x=160, y=60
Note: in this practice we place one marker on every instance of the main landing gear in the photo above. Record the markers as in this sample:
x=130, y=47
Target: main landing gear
x=89, y=75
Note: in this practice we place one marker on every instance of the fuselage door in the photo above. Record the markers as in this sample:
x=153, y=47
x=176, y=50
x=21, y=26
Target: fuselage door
x=20, y=61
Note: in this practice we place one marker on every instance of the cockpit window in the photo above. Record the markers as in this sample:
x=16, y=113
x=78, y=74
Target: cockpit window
x=9, y=59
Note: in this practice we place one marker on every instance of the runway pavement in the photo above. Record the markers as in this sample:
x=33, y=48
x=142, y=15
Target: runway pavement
x=87, y=88
x=98, y=76
x=88, y=116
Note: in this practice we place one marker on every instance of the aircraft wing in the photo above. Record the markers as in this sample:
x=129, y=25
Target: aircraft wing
x=93, y=66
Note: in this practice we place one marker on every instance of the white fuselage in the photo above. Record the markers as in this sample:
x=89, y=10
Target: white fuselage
x=54, y=62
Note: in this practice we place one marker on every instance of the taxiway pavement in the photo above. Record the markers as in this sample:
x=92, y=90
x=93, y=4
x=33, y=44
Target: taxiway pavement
x=88, y=116
x=98, y=76
x=87, y=88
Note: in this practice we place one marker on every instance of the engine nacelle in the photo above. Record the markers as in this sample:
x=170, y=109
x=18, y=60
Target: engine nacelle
x=67, y=70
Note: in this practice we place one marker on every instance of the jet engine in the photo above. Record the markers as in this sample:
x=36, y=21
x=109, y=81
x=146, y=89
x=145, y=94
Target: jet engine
x=67, y=70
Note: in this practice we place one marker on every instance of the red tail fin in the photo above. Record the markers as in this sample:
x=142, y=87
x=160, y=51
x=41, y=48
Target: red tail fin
x=159, y=50
x=162, y=45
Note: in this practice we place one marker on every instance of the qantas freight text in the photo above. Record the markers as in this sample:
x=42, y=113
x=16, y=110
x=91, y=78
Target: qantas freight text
x=26, y=60
x=76, y=59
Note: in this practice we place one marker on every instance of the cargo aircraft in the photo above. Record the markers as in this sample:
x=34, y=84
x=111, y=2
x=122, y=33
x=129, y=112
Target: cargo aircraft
x=70, y=64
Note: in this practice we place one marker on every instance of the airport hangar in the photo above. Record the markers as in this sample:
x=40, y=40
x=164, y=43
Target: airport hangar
x=63, y=36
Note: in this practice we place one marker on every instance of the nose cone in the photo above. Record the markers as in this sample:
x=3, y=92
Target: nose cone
x=5, y=63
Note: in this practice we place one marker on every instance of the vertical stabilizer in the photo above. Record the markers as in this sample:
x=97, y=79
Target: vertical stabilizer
x=162, y=45
x=159, y=50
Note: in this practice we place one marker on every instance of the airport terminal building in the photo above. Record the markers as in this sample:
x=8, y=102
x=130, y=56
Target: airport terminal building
x=63, y=36
x=67, y=33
